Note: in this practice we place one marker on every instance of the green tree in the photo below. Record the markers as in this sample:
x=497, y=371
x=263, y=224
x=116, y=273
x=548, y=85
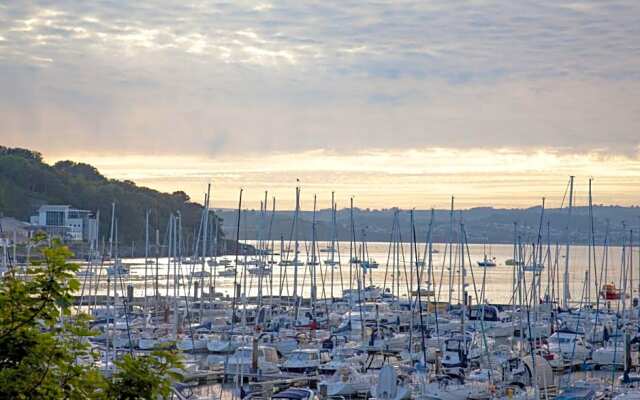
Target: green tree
x=44, y=349
x=145, y=377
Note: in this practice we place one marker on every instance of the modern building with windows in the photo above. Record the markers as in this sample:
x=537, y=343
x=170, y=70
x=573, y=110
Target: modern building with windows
x=67, y=222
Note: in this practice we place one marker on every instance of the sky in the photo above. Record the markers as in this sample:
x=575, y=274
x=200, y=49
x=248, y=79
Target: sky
x=393, y=103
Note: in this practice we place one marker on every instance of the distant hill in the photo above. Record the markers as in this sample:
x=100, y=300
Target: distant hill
x=26, y=182
x=482, y=224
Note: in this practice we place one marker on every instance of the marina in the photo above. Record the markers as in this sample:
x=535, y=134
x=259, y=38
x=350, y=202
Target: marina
x=320, y=200
x=294, y=318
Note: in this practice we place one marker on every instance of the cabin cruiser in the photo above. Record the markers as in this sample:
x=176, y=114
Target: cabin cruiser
x=372, y=312
x=370, y=293
x=149, y=340
x=241, y=361
x=304, y=361
x=456, y=350
x=215, y=262
x=609, y=291
x=353, y=327
x=346, y=381
x=225, y=344
x=571, y=346
x=195, y=342
x=346, y=355
x=382, y=339
x=612, y=354
x=118, y=268
x=491, y=321
x=449, y=388
x=287, y=394
x=486, y=262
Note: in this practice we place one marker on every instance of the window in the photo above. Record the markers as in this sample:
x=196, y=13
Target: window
x=55, y=218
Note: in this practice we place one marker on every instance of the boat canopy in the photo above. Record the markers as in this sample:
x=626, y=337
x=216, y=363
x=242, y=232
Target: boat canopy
x=484, y=312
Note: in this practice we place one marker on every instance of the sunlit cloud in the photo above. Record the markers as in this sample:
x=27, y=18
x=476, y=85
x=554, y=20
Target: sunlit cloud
x=360, y=91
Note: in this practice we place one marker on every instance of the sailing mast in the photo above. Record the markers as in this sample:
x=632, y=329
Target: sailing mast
x=236, y=291
x=333, y=241
x=313, y=260
x=451, y=251
x=205, y=231
x=146, y=256
x=567, y=293
x=296, y=251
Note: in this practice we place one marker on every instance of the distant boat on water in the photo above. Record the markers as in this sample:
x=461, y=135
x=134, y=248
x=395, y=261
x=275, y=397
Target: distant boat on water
x=487, y=262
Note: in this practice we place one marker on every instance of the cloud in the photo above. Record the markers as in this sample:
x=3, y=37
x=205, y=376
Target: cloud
x=247, y=76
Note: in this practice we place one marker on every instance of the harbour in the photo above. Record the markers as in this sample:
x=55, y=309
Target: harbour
x=299, y=318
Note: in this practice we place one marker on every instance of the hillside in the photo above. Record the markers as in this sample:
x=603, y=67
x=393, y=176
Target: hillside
x=482, y=224
x=26, y=182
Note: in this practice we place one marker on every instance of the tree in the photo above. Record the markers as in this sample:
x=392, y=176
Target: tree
x=144, y=377
x=179, y=194
x=44, y=352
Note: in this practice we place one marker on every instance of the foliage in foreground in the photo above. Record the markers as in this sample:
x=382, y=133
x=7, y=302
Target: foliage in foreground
x=44, y=349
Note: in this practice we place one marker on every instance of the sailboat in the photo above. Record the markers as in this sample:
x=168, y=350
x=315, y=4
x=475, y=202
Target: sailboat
x=487, y=262
x=387, y=387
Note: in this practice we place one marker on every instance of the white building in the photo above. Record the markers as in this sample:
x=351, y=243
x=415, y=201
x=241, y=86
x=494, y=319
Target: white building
x=66, y=222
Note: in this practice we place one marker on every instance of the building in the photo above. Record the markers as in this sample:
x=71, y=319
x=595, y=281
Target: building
x=13, y=230
x=67, y=223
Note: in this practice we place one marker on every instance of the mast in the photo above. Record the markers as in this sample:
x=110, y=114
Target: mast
x=212, y=276
x=333, y=241
x=296, y=250
x=205, y=231
x=463, y=274
x=419, y=288
x=451, y=251
x=352, y=243
x=236, y=292
x=176, y=261
x=592, y=253
x=111, y=229
x=113, y=212
x=146, y=255
x=567, y=293
x=273, y=213
x=313, y=259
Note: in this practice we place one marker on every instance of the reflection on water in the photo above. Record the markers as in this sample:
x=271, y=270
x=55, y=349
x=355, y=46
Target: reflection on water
x=498, y=280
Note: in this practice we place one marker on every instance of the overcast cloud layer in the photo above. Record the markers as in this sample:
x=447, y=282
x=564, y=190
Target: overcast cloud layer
x=243, y=76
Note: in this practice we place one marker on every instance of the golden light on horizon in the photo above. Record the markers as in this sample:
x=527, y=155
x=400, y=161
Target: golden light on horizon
x=420, y=178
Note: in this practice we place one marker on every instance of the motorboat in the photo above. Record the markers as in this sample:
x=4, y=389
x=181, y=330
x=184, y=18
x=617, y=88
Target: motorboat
x=612, y=354
x=489, y=319
x=304, y=361
x=287, y=394
x=192, y=343
x=228, y=272
x=609, y=291
x=241, y=361
x=571, y=346
x=486, y=262
x=347, y=381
